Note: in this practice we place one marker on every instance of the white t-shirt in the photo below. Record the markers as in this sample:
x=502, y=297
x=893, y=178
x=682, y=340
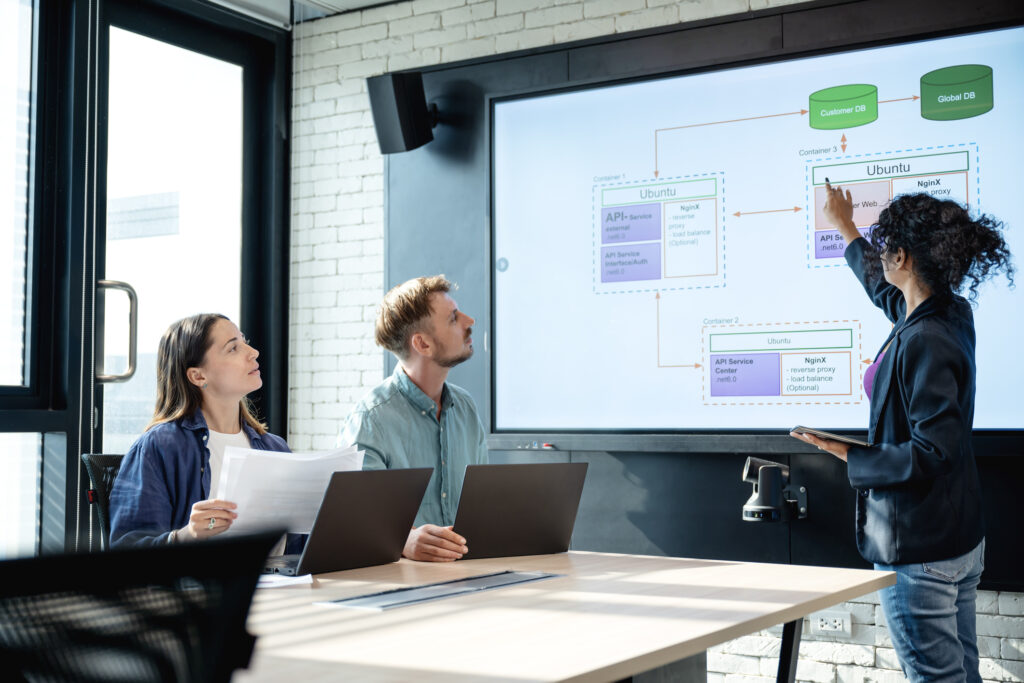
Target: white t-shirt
x=217, y=443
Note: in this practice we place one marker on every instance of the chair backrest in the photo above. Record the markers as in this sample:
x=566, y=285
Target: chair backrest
x=102, y=469
x=172, y=612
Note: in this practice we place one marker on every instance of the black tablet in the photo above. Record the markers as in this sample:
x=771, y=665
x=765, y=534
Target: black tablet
x=829, y=435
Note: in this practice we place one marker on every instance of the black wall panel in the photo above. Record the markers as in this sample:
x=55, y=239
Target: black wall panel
x=662, y=504
x=839, y=24
x=693, y=48
x=826, y=536
x=688, y=503
x=1001, y=480
x=437, y=207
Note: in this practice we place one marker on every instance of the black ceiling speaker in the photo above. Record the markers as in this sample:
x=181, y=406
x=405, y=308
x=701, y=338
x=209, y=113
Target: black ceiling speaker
x=400, y=113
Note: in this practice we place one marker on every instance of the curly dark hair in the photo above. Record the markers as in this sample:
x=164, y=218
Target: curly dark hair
x=948, y=246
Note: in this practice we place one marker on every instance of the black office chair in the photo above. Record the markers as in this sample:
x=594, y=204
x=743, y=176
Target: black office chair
x=171, y=612
x=102, y=469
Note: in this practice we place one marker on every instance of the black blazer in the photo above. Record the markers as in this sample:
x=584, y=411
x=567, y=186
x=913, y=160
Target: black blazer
x=919, y=497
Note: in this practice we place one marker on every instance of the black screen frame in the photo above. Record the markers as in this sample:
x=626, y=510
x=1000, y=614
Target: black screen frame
x=654, y=55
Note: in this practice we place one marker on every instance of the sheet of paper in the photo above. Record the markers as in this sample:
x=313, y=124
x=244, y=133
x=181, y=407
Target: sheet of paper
x=279, y=580
x=279, y=490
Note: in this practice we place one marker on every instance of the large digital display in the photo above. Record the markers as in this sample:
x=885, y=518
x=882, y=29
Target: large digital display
x=662, y=262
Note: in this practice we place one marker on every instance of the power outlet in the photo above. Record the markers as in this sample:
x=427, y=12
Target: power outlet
x=831, y=623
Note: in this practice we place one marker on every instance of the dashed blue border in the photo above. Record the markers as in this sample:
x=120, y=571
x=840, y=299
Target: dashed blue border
x=809, y=206
x=595, y=222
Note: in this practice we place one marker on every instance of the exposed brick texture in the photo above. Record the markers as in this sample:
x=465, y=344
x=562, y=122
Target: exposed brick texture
x=337, y=258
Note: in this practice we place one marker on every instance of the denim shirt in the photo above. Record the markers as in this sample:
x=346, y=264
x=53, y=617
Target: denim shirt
x=164, y=473
x=396, y=424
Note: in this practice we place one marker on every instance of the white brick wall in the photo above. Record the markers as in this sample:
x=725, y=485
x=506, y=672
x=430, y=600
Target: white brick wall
x=337, y=184
x=337, y=263
x=867, y=655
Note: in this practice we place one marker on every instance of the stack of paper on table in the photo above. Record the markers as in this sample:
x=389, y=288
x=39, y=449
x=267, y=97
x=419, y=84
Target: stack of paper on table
x=279, y=490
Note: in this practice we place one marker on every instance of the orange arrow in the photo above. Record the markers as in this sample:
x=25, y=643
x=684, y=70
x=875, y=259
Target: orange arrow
x=657, y=297
x=867, y=361
x=901, y=99
x=751, y=213
x=715, y=123
x=844, y=142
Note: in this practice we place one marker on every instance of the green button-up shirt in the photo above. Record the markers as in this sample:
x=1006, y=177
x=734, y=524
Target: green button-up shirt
x=397, y=425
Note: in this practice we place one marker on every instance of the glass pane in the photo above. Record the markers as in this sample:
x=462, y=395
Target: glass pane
x=174, y=207
x=15, y=161
x=20, y=494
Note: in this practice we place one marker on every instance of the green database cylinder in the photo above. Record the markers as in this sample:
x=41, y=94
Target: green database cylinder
x=956, y=92
x=843, y=106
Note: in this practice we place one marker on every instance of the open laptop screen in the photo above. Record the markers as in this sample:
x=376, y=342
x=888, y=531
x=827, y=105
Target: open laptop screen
x=364, y=520
x=523, y=509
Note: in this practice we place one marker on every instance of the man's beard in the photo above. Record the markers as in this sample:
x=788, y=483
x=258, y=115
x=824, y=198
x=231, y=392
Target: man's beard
x=450, y=361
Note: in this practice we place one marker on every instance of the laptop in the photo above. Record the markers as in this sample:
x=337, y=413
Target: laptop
x=527, y=509
x=363, y=520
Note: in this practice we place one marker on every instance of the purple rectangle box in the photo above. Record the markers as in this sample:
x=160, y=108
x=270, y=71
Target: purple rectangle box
x=634, y=223
x=745, y=374
x=829, y=244
x=628, y=262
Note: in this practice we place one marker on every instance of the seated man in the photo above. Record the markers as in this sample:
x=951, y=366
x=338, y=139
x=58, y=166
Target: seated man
x=415, y=418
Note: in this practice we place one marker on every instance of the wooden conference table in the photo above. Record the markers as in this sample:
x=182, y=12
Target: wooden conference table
x=608, y=618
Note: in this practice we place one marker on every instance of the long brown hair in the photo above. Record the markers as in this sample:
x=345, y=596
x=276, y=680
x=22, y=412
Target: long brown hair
x=183, y=346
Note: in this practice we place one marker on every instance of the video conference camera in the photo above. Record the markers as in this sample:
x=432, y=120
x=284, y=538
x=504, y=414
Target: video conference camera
x=771, y=500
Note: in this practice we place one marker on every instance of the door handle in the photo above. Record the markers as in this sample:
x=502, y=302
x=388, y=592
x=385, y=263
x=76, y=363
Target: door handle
x=133, y=329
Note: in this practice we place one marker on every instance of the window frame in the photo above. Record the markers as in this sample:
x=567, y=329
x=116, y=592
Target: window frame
x=67, y=192
x=264, y=53
x=40, y=256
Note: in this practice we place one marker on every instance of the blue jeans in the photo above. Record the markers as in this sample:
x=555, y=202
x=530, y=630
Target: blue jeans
x=930, y=613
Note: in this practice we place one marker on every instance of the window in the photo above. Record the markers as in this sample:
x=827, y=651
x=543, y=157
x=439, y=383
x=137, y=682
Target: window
x=139, y=141
x=16, y=91
x=174, y=188
x=19, y=502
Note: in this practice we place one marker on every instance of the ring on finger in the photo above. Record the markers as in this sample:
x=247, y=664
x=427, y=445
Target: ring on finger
x=213, y=523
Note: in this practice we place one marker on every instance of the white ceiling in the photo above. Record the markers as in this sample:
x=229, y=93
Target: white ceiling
x=278, y=12
x=335, y=6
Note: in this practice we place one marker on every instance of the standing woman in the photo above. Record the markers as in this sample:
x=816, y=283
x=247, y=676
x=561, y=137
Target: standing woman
x=919, y=502
x=205, y=369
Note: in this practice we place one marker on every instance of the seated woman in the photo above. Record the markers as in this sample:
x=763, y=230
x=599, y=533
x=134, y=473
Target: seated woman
x=205, y=369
